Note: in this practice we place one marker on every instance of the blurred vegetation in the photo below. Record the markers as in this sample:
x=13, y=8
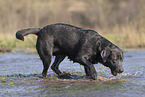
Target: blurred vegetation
x=120, y=21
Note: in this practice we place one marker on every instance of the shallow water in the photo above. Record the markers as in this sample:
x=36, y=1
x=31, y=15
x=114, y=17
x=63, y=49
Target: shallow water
x=20, y=75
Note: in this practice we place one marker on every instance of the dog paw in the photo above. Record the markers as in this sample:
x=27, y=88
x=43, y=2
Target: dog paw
x=44, y=75
x=93, y=76
x=64, y=75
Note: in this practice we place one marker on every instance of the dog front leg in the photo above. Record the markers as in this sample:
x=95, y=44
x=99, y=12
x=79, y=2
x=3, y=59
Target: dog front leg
x=89, y=67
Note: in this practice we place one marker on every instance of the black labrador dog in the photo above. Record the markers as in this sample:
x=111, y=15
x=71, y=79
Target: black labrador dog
x=83, y=46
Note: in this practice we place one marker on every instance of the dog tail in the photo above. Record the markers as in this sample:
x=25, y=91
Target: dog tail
x=21, y=33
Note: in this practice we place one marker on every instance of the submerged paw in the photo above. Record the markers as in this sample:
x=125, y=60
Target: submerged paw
x=64, y=75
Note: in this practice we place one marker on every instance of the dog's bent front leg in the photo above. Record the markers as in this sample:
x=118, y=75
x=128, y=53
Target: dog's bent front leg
x=89, y=67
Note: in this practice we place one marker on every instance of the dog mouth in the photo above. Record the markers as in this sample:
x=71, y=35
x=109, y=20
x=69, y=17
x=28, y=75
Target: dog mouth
x=114, y=72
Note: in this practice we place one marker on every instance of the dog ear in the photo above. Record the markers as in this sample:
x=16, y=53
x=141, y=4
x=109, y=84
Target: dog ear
x=105, y=54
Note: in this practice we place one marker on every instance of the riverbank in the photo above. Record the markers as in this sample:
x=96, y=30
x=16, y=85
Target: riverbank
x=10, y=43
x=122, y=22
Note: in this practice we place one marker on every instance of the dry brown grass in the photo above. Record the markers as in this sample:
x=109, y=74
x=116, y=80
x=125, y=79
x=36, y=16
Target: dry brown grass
x=121, y=21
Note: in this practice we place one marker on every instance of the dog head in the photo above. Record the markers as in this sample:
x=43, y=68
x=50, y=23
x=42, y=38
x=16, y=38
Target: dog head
x=112, y=58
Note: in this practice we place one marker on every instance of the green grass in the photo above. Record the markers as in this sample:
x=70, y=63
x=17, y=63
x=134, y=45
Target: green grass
x=123, y=40
x=11, y=43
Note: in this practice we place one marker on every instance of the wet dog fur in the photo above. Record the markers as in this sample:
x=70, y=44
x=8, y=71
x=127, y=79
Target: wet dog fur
x=83, y=46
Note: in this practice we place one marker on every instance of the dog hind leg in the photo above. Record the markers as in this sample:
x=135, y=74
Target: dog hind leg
x=45, y=53
x=55, y=65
